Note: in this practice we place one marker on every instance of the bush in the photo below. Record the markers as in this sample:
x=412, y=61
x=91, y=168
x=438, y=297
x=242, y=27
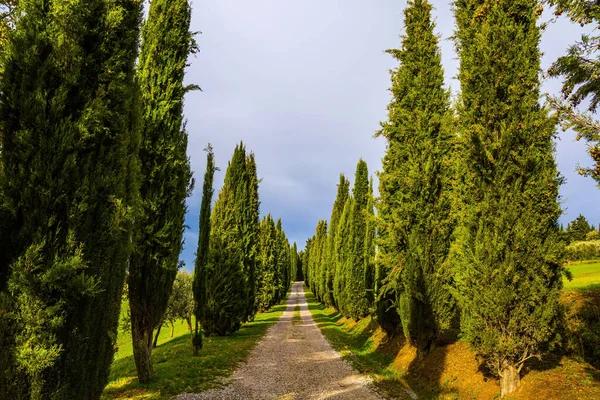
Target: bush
x=583, y=250
x=582, y=324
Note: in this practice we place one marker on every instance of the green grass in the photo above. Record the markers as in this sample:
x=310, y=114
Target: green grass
x=177, y=369
x=584, y=275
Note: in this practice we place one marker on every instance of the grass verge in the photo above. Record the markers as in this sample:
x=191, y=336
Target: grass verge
x=450, y=371
x=176, y=369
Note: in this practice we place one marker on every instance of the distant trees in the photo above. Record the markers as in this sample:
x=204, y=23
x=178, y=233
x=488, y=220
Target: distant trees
x=166, y=179
x=247, y=265
x=339, y=261
x=69, y=182
x=578, y=229
x=414, y=184
x=507, y=255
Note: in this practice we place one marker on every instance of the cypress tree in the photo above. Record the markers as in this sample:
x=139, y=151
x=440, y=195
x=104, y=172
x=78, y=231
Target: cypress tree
x=343, y=251
x=251, y=220
x=293, y=262
x=305, y=261
x=283, y=263
x=370, y=251
x=343, y=191
x=415, y=180
x=69, y=159
x=266, y=273
x=507, y=253
x=356, y=295
x=165, y=169
x=235, y=223
x=199, y=283
x=226, y=289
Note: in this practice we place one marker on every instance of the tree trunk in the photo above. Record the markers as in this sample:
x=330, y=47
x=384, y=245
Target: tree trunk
x=510, y=379
x=172, y=328
x=156, y=336
x=142, y=346
x=189, y=324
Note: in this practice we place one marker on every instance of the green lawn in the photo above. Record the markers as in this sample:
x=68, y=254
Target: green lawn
x=177, y=370
x=583, y=275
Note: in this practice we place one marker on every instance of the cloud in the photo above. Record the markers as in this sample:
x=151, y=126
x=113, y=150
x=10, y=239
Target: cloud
x=304, y=85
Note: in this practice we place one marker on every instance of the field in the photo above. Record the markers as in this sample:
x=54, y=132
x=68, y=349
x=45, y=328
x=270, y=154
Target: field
x=177, y=370
x=584, y=274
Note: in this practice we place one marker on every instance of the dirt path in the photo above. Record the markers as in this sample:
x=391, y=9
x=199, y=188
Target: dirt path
x=293, y=361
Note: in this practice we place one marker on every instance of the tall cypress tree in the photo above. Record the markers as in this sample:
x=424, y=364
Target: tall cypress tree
x=343, y=191
x=165, y=169
x=294, y=261
x=230, y=277
x=69, y=155
x=357, y=302
x=343, y=251
x=507, y=253
x=415, y=180
x=199, y=283
x=266, y=272
x=370, y=248
x=226, y=295
x=251, y=217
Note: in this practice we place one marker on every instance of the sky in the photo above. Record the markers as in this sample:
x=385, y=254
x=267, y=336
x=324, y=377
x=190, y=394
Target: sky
x=304, y=84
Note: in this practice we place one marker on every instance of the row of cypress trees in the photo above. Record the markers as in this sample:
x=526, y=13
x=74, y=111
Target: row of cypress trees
x=339, y=266
x=468, y=208
x=243, y=265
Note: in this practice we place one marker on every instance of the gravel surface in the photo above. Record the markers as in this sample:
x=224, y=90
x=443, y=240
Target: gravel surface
x=293, y=361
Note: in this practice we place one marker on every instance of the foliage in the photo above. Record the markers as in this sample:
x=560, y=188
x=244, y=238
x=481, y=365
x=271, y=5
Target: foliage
x=581, y=308
x=165, y=170
x=580, y=68
x=507, y=253
x=181, y=301
x=415, y=206
x=357, y=303
x=69, y=180
x=578, y=229
x=199, y=284
x=583, y=250
x=343, y=190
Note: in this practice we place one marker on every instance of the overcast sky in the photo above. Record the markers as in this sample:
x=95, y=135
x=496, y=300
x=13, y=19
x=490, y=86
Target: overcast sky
x=304, y=84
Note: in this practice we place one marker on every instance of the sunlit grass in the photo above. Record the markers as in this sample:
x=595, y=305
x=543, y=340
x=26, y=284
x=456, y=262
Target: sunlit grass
x=177, y=370
x=583, y=275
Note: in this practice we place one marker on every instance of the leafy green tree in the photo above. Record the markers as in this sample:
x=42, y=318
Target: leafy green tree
x=356, y=295
x=199, y=284
x=343, y=191
x=165, y=170
x=69, y=159
x=578, y=229
x=293, y=262
x=181, y=302
x=415, y=181
x=507, y=255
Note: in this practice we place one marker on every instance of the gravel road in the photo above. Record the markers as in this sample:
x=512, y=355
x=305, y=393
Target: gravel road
x=293, y=361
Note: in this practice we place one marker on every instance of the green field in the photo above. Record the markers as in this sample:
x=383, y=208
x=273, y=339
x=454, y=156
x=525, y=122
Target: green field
x=583, y=275
x=177, y=370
